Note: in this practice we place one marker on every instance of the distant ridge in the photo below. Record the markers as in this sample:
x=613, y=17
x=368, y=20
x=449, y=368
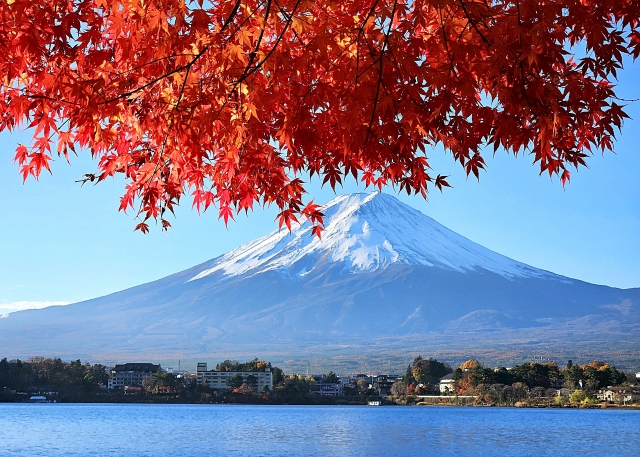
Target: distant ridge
x=384, y=279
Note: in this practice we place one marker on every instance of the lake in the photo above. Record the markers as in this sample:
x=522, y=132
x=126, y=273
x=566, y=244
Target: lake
x=312, y=431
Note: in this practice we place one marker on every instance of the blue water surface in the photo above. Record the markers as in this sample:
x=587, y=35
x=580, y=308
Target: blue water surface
x=312, y=431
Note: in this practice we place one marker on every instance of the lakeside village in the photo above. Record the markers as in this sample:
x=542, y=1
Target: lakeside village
x=425, y=382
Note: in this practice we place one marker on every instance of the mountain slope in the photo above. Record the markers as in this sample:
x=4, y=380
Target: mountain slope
x=365, y=232
x=382, y=274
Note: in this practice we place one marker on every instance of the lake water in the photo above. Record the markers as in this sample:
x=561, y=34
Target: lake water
x=312, y=431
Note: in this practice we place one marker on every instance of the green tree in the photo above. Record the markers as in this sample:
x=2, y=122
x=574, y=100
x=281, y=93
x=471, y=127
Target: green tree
x=428, y=371
x=572, y=376
x=331, y=377
x=503, y=376
x=599, y=374
x=99, y=372
x=292, y=389
x=480, y=375
x=90, y=383
x=278, y=375
x=577, y=396
x=161, y=381
x=252, y=381
x=458, y=374
x=536, y=374
x=234, y=381
x=228, y=365
x=408, y=376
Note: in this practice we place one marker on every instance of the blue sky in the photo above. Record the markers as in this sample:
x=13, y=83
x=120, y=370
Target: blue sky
x=61, y=242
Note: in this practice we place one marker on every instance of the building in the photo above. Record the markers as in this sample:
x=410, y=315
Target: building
x=619, y=394
x=130, y=374
x=362, y=377
x=326, y=389
x=383, y=384
x=362, y=382
x=218, y=379
x=447, y=384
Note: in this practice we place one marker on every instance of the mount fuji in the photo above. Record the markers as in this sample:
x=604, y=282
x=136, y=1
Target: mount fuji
x=383, y=280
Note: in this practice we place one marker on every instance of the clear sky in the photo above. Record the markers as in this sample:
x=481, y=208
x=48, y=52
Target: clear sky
x=62, y=243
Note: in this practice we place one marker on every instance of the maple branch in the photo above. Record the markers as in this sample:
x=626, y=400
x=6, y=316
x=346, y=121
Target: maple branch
x=155, y=80
x=382, y=49
x=247, y=69
x=404, y=86
x=233, y=13
x=522, y=77
x=252, y=56
x=446, y=46
x=151, y=62
x=473, y=24
x=248, y=72
x=44, y=97
x=287, y=25
x=630, y=100
x=166, y=138
x=324, y=72
x=360, y=32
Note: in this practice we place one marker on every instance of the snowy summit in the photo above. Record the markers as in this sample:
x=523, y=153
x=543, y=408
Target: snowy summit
x=364, y=233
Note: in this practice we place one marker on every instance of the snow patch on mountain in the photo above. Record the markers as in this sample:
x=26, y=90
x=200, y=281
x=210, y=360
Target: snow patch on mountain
x=365, y=232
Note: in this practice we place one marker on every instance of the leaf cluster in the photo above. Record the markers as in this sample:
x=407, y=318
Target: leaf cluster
x=231, y=101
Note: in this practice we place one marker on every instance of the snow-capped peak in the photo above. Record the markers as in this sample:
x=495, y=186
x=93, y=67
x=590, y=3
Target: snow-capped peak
x=365, y=232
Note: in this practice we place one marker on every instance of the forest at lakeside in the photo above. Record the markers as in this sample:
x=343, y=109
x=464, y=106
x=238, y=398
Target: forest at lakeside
x=531, y=383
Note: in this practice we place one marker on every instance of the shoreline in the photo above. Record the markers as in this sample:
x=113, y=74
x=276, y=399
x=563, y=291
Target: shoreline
x=323, y=401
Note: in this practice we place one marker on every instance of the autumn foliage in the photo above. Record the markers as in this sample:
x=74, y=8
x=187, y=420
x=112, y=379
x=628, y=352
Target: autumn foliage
x=232, y=101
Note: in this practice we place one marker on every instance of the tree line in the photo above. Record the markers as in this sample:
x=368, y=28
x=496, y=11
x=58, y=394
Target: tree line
x=77, y=381
x=529, y=381
x=69, y=379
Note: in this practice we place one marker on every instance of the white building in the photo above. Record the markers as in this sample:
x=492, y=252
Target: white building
x=217, y=379
x=131, y=374
x=326, y=389
x=447, y=384
x=619, y=394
